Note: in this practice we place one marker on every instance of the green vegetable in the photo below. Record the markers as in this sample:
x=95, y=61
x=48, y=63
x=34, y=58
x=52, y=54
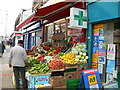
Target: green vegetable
x=32, y=61
x=40, y=68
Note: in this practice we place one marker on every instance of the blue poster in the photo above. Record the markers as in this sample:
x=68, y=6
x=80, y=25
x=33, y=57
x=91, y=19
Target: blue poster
x=95, y=38
x=110, y=66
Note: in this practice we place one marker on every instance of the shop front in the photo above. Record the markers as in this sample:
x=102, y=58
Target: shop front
x=59, y=61
x=103, y=39
x=32, y=35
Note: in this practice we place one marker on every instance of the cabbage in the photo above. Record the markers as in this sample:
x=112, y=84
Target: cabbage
x=75, y=52
x=84, y=60
x=78, y=56
x=84, y=54
x=86, y=57
x=48, y=58
x=77, y=59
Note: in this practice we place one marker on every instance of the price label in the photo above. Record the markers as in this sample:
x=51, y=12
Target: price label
x=92, y=79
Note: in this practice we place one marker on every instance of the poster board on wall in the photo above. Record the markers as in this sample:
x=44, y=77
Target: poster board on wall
x=98, y=47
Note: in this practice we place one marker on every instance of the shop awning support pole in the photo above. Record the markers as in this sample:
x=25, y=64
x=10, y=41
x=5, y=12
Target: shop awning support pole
x=89, y=44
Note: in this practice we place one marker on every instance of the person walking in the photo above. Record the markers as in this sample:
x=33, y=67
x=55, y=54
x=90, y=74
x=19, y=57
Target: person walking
x=17, y=60
x=2, y=48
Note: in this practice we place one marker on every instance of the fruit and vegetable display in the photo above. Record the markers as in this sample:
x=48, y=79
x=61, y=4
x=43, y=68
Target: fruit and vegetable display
x=40, y=68
x=56, y=58
x=57, y=64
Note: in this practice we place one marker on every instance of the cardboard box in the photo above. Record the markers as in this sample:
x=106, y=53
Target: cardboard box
x=45, y=88
x=57, y=81
x=69, y=75
x=80, y=67
x=78, y=74
x=85, y=66
x=60, y=88
x=71, y=66
x=38, y=79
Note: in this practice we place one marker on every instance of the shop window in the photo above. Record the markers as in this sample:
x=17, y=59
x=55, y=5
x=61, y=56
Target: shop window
x=59, y=32
x=77, y=34
x=32, y=39
x=25, y=41
x=38, y=37
x=117, y=41
x=48, y=33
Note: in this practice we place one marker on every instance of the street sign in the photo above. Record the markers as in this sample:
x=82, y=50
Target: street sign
x=78, y=17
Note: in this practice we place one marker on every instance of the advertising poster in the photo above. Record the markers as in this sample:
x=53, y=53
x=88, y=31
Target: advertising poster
x=94, y=65
x=101, y=30
x=101, y=34
x=95, y=44
x=112, y=86
x=96, y=32
x=102, y=45
x=95, y=38
x=97, y=28
x=102, y=52
x=110, y=66
x=94, y=87
x=95, y=58
x=109, y=78
x=95, y=50
x=101, y=59
x=111, y=51
x=100, y=68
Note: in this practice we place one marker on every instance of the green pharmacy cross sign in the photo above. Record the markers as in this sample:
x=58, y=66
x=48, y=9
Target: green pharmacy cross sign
x=80, y=18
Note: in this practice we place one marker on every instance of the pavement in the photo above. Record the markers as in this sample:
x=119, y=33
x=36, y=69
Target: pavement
x=5, y=72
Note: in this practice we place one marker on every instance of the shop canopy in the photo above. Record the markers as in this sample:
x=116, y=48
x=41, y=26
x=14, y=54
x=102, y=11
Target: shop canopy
x=44, y=12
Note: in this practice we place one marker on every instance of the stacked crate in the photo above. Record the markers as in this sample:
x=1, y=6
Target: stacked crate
x=73, y=83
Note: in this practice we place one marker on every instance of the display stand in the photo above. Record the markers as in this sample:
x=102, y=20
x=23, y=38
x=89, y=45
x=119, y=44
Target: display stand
x=90, y=79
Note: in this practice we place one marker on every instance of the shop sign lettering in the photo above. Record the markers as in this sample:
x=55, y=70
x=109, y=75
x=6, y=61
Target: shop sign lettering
x=90, y=71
